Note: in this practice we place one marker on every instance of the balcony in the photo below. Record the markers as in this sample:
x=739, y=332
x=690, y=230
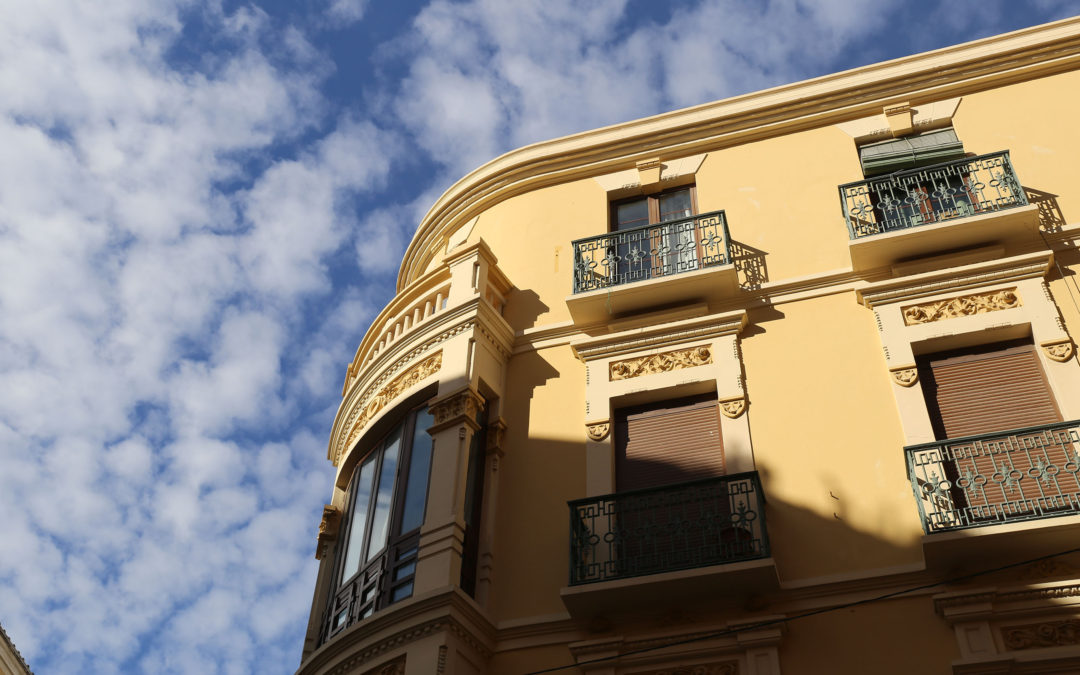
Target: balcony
x=974, y=200
x=617, y=272
x=668, y=544
x=979, y=495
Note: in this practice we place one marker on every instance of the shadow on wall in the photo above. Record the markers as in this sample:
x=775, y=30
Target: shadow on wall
x=1050, y=216
x=749, y=265
x=523, y=307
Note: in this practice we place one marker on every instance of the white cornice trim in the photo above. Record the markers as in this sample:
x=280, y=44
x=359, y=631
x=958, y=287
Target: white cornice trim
x=839, y=97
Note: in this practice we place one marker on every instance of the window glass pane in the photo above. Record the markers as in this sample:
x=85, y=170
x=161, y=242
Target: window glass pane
x=383, y=497
x=632, y=214
x=401, y=592
x=419, y=468
x=674, y=205
x=358, y=518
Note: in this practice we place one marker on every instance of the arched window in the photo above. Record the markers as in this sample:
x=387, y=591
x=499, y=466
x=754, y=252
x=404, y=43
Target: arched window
x=376, y=556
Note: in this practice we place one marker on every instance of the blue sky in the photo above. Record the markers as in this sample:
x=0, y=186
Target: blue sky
x=202, y=206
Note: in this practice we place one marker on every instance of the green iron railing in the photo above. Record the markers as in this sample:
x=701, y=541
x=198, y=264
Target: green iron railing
x=675, y=527
x=932, y=194
x=1003, y=477
x=651, y=251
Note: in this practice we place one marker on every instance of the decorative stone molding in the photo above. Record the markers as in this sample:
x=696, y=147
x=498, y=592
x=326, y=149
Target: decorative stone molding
x=1058, y=350
x=660, y=363
x=598, y=431
x=1039, y=635
x=395, y=667
x=399, y=384
x=964, y=305
x=733, y=407
x=456, y=408
x=719, y=668
x=495, y=433
x=328, y=530
x=905, y=376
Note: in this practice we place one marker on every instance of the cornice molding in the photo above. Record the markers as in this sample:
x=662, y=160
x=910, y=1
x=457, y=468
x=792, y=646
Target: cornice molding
x=839, y=97
x=661, y=335
x=978, y=275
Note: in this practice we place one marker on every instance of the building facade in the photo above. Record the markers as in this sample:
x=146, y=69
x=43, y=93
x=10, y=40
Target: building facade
x=785, y=383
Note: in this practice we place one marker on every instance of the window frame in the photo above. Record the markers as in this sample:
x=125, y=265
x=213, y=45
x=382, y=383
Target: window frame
x=653, y=201
x=380, y=578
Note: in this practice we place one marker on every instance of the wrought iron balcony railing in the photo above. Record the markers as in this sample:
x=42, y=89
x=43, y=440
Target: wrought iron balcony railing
x=966, y=187
x=651, y=251
x=1003, y=477
x=675, y=527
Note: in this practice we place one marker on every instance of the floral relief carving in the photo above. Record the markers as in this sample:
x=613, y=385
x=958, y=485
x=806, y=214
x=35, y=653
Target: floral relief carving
x=395, y=667
x=964, y=305
x=598, y=431
x=660, y=363
x=465, y=404
x=721, y=668
x=1059, y=351
x=399, y=384
x=905, y=377
x=328, y=530
x=1045, y=634
x=733, y=408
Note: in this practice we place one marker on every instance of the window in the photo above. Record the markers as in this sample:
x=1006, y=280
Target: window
x=655, y=235
x=387, y=496
x=1004, y=457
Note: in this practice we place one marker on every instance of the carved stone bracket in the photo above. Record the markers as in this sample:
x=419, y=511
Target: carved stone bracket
x=495, y=432
x=598, y=431
x=963, y=305
x=1059, y=350
x=733, y=407
x=660, y=363
x=460, y=408
x=328, y=530
x=905, y=376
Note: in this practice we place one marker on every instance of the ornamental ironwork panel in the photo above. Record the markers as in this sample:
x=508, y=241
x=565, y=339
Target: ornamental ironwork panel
x=651, y=251
x=707, y=522
x=967, y=187
x=1003, y=477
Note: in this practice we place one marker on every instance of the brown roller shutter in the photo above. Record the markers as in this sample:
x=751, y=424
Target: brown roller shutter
x=988, y=388
x=671, y=442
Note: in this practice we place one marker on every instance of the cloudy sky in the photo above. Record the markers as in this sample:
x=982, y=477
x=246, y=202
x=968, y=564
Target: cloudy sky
x=202, y=206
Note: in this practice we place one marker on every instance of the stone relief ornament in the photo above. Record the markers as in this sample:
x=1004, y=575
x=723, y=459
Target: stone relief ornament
x=328, y=530
x=463, y=404
x=733, y=408
x=905, y=377
x=724, y=668
x=598, y=431
x=399, y=384
x=1045, y=634
x=1059, y=351
x=964, y=305
x=660, y=363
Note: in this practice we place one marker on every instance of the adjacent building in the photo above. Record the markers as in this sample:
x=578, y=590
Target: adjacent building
x=784, y=383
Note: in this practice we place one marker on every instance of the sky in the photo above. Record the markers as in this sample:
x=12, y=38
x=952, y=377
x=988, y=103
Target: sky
x=202, y=207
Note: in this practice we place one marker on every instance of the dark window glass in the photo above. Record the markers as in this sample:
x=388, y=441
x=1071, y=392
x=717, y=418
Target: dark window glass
x=358, y=518
x=631, y=214
x=381, y=518
x=419, y=468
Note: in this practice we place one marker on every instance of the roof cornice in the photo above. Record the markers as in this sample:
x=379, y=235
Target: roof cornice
x=922, y=78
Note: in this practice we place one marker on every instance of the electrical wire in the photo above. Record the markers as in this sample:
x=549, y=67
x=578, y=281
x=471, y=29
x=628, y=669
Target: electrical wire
x=825, y=610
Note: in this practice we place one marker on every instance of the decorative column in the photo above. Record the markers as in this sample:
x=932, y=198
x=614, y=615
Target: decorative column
x=443, y=534
x=493, y=454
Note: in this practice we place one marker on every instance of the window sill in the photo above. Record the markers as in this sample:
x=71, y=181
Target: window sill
x=1001, y=544
x=1008, y=226
x=711, y=284
x=727, y=583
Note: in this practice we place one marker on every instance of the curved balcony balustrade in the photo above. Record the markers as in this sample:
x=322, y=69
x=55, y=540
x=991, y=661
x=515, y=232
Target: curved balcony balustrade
x=633, y=269
x=934, y=209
